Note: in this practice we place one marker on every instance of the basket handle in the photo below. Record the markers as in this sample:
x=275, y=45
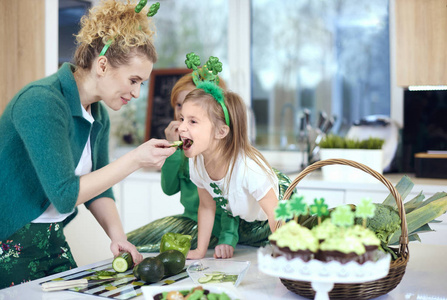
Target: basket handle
x=403, y=241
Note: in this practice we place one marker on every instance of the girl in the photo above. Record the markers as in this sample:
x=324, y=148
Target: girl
x=174, y=179
x=54, y=145
x=228, y=171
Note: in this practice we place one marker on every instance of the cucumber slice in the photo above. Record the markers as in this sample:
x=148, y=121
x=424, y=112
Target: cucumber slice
x=177, y=144
x=205, y=279
x=122, y=262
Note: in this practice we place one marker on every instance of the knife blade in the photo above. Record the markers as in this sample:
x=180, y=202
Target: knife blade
x=68, y=284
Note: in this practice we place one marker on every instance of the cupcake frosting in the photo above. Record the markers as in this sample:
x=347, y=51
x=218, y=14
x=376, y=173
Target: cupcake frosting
x=325, y=230
x=366, y=236
x=295, y=237
x=343, y=243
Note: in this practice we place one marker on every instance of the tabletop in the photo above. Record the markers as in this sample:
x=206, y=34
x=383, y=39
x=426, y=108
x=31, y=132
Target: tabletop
x=424, y=279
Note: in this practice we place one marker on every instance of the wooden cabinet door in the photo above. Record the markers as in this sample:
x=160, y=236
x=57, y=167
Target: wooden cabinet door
x=22, y=49
x=421, y=42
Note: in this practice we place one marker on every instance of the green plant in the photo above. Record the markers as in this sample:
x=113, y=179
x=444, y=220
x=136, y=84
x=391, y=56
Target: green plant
x=335, y=141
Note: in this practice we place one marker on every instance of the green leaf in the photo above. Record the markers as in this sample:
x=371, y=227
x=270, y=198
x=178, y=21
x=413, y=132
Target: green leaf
x=414, y=203
x=422, y=216
x=403, y=187
x=435, y=197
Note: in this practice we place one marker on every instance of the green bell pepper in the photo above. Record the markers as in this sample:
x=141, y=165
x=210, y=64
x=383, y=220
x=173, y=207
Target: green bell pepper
x=176, y=241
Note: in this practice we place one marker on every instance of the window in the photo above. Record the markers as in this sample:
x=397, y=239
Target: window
x=182, y=26
x=325, y=55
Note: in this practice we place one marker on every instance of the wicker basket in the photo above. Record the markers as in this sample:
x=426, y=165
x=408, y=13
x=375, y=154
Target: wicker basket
x=366, y=290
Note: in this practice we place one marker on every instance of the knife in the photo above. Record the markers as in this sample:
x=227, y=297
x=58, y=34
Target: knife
x=68, y=284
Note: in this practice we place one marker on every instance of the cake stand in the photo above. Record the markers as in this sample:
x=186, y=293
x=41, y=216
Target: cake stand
x=322, y=275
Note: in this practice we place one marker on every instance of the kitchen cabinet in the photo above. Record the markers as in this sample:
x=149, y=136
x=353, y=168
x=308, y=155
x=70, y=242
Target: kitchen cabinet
x=141, y=200
x=22, y=53
x=420, y=42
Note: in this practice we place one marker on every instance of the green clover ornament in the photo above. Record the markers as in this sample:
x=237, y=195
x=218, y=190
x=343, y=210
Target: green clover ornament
x=319, y=208
x=214, y=65
x=297, y=206
x=140, y=5
x=192, y=61
x=365, y=209
x=342, y=216
x=153, y=9
x=282, y=211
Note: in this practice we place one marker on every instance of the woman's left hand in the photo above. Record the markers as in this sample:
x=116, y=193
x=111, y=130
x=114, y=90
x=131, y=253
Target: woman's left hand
x=124, y=245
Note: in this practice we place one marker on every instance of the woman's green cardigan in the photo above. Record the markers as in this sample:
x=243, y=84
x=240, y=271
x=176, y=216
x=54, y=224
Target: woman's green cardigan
x=42, y=137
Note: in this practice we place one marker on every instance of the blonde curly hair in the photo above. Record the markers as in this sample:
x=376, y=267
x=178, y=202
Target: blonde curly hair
x=131, y=34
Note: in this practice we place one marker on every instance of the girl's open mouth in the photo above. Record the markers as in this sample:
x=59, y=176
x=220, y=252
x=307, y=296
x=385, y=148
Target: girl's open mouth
x=187, y=143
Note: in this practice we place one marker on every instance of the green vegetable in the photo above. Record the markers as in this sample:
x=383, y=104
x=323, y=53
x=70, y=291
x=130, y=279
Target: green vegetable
x=385, y=222
x=176, y=144
x=175, y=241
x=196, y=295
x=173, y=260
x=122, y=262
x=150, y=270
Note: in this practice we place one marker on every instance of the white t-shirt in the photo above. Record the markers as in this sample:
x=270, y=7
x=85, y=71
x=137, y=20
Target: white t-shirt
x=249, y=183
x=51, y=215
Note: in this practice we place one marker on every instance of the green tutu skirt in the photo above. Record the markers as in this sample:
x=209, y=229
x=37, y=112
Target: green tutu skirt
x=147, y=238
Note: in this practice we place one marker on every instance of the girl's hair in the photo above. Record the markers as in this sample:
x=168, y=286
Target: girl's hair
x=131, y=34
x=236, y=142
x=185, y=83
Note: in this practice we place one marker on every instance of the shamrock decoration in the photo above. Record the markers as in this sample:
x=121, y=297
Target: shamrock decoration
x=342, y=216
x=153, y=9
x=221, y=201
x=297, y=207
x=214, y=65
x=192, y=61
x=319, y=208
x=365, y=209
x=140, y=5
x=215, y=188
x=282, y=211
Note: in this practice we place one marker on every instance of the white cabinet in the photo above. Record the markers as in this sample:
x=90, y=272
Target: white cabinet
x=141, y=200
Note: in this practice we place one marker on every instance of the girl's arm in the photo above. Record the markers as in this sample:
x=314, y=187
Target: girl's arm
x=268, y=204
x=206, y=214
x=105, y=212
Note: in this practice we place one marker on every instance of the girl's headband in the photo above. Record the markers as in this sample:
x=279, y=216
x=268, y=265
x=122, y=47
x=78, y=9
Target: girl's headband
x=153, y=9
x=206, y=78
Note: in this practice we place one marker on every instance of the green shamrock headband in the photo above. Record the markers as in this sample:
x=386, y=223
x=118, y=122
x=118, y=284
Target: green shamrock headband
x=206, y=78
x=153, y=9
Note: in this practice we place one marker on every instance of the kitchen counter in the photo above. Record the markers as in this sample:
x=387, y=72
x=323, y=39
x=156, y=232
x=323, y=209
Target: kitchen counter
x=424, y=279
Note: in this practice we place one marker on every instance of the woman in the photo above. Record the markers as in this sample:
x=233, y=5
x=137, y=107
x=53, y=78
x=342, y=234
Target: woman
x=54, y=145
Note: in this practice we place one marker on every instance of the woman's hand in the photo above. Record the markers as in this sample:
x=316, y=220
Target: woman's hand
x=171, y=132
x=125, y=246
x=196, y=254
x=153, y=153
x=223, y=251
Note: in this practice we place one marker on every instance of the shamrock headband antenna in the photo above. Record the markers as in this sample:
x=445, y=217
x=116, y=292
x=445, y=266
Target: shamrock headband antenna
x=206, y=78
x=153, y=9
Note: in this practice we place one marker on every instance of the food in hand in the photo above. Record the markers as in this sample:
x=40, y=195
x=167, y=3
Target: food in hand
x=176, y=241
x=123, y=262
x=176, y=144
